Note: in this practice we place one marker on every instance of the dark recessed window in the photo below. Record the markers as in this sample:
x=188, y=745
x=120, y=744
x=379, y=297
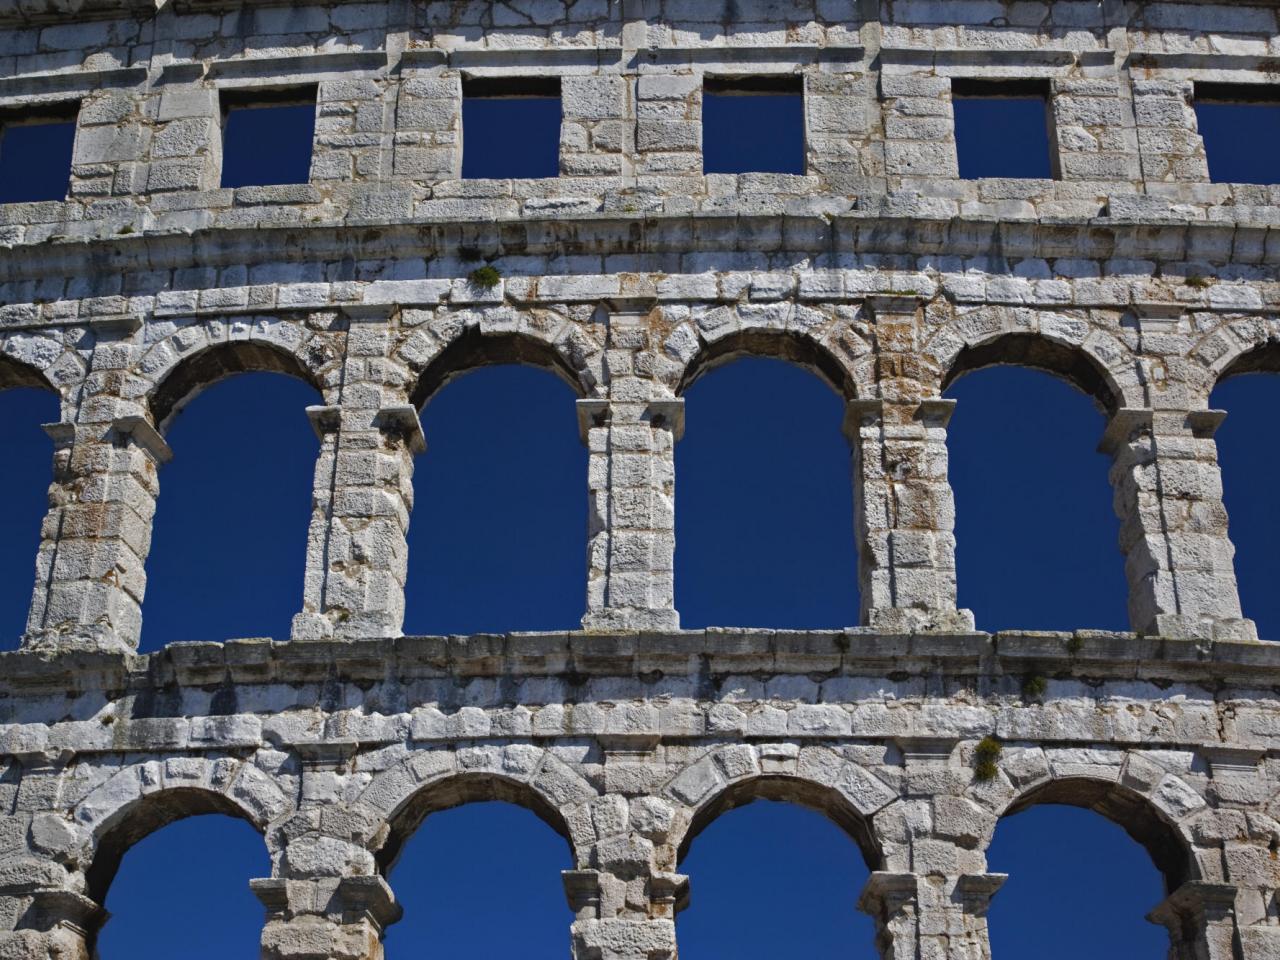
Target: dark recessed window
x=1240, y=126
x=35, y=154
x=753, y=125
x=1002, y=129
x=266, y=136
x=511, y=128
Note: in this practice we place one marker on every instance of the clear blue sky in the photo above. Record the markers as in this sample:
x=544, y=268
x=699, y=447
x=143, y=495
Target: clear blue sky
x=765, y=537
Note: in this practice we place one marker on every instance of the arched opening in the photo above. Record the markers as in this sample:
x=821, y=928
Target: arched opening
x=476, y=863
x=1034, y=517
x=1249, y=454
x=26, y=403
x=1081, y=876
x=187, y=884
x=771, y=876
x=229, y=539
x=500, y=511
x=764, y=501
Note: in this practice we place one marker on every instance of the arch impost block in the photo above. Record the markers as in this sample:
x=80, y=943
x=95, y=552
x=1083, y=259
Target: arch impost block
x=402, y=420
x=62, y=434
x=861, y=412
x=886, y=893
x=582, y=890
x=368, y=898
x=592, y=412
x=935, y=412
x=324, y=420
x=69, y=909
x=1195, y=902
x=669, y=890
x=667, y=414
x=977, y=889
x=1124, y=423
x=140, y=431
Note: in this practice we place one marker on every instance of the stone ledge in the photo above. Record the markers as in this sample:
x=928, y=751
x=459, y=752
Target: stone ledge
x=604, y=234
x=578, y=657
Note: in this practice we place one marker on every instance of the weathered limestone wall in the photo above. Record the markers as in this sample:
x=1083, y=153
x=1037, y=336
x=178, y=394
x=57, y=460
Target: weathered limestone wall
x=630, y=275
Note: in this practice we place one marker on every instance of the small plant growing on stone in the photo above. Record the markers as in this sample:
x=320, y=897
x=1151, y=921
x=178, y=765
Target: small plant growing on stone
x=1197, y=282
x=985, y=755
x=484, y=278
x=1033, y=688
x=1074, y=643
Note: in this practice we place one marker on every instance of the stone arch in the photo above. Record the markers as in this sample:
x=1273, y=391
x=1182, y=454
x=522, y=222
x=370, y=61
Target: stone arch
x=1260, y=354
x=402, y=797
x=820, y=779
x=453, y=347
x=1074, y=363
x=184, y=366
x=824, y=343
x=22, y=373
x=1150, y=814
x=141, y=799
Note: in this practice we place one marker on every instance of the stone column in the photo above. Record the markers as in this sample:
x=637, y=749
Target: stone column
x=1173, y=525
x=930, y=915
x=357, y=557
x=90, y=575
x=327, y=900
x=1200, y=918
x=903, y=507
x=631, y=479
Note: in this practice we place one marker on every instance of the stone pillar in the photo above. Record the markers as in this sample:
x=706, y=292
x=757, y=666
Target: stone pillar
x=90, y=575
x=1200, y=918
x=1173, y=525
x=930, y=915
x=327, y=900
x=357, y=558
x=614, y=922
x=631, y=479
x=903, y=507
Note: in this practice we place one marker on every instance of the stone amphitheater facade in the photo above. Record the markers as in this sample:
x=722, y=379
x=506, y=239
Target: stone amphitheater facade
x=1129, y=273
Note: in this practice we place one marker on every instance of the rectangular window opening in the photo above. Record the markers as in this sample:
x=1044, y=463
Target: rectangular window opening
x=1003, y=129
x=35, y=152
x=1240, y=126
x=510, y=128
x=267, y=136
x=753, y=124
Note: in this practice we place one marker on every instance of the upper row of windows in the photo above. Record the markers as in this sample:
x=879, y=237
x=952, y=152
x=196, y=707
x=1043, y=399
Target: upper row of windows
x=1002, y=129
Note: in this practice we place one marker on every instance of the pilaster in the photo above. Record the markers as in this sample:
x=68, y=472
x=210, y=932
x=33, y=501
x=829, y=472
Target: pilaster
x=1168, y=495
x=631, y=476
x=903, y=507
x=357, y=557
x=90, y=569
x=1200, y=918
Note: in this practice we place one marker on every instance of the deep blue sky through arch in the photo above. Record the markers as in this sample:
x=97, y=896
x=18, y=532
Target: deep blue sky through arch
x=233, y=512
x=1037, y=543
x=503, y=456
x=764, y=501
